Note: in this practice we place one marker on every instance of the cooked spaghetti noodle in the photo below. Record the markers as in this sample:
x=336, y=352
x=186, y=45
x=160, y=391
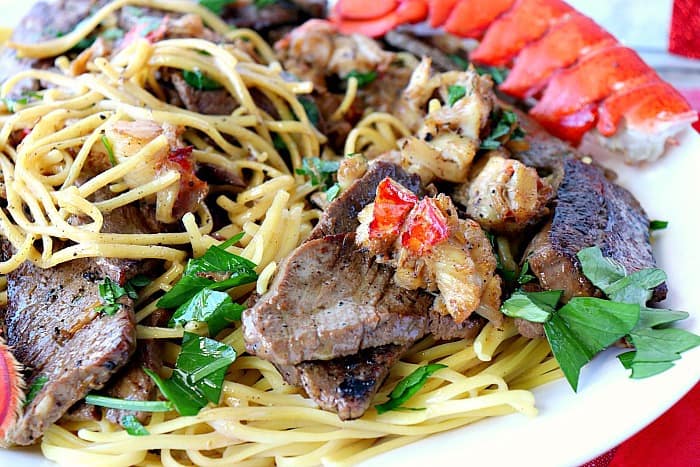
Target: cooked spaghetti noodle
x=260, y=420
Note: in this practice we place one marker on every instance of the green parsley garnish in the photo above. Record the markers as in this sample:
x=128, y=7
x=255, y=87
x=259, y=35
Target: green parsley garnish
x=208, y=306
x=407, y=387
x=524, y=277
x=507, y=125
x=263, y=3
x=320, y=173
x=127, y=404
x=461, y=62
x=198, y=376
x=363, y=79
x=586, y=325
x=200, y=81
x=455, y=93
x=132, y=426
x=216, y=269
x=110, y=292
x=498, y=75
x=658, y=225
x=109, y=149
x=25, y=98
x=34, y=388
x=216, y=6
x=311, y=110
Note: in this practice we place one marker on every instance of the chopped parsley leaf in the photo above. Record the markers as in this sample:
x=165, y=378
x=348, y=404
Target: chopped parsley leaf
x=132, y=426
x=198, y=376
x=263, y=3
x=363, y=79
x=127, y=404
x=311, y=110
x=34, y=388
x=586, y=325
x=109, y=149
x=208, y=306
x=658, y=225
x=216, y=6
x=507, y=126
x=408, y=387
x=320, y=173
x=455, y=93
x=110, y=292
x=216, y=269
x=200, y=81
x=461, y=62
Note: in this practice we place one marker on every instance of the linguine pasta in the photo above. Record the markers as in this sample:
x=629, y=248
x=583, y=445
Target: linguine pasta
x=260, y=420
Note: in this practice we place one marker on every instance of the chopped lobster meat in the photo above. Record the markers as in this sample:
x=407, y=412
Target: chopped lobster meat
x=192, y=190
x=425, y=228
x=527, y=21
x=648, y=108
x=506, y=196
x=471, y=18
x=447, y=138
x=591, y=80
x=562, y=46
x=451, y=256
x=439, y=252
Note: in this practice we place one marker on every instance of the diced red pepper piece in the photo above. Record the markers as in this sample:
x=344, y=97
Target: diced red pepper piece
x=391, y=207
x=425, y=228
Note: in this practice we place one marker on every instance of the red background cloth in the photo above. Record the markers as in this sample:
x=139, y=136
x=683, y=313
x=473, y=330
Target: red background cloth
x=685, y=28
x=673, y=440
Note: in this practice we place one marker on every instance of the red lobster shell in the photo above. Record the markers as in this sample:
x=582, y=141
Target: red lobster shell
x=586, y=81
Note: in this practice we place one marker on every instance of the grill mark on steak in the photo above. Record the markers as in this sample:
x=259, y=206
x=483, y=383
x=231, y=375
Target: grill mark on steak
x=54, y=331
x=345, y=385
x=341, y=215
x=331, y=299
x=590, y=210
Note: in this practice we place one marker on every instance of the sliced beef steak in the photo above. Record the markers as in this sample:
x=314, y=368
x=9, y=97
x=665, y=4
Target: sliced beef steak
x=39, y=25
x=345, y=385
x=55, y=331
x=445, y=328
x=341, y=214
x=331, y=299
x=590, y=210
x=214, y=102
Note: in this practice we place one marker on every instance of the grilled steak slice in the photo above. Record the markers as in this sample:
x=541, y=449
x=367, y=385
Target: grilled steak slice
x=443, y=327
x=345, y=385
x=52, y=325
x=330, y=299
x=37, y=26
x=590, y=210
x=341, y=214
x=215, y=102
x=132, y=383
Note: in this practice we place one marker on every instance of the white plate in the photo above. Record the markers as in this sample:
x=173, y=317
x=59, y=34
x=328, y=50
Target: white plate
x=570, y=429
